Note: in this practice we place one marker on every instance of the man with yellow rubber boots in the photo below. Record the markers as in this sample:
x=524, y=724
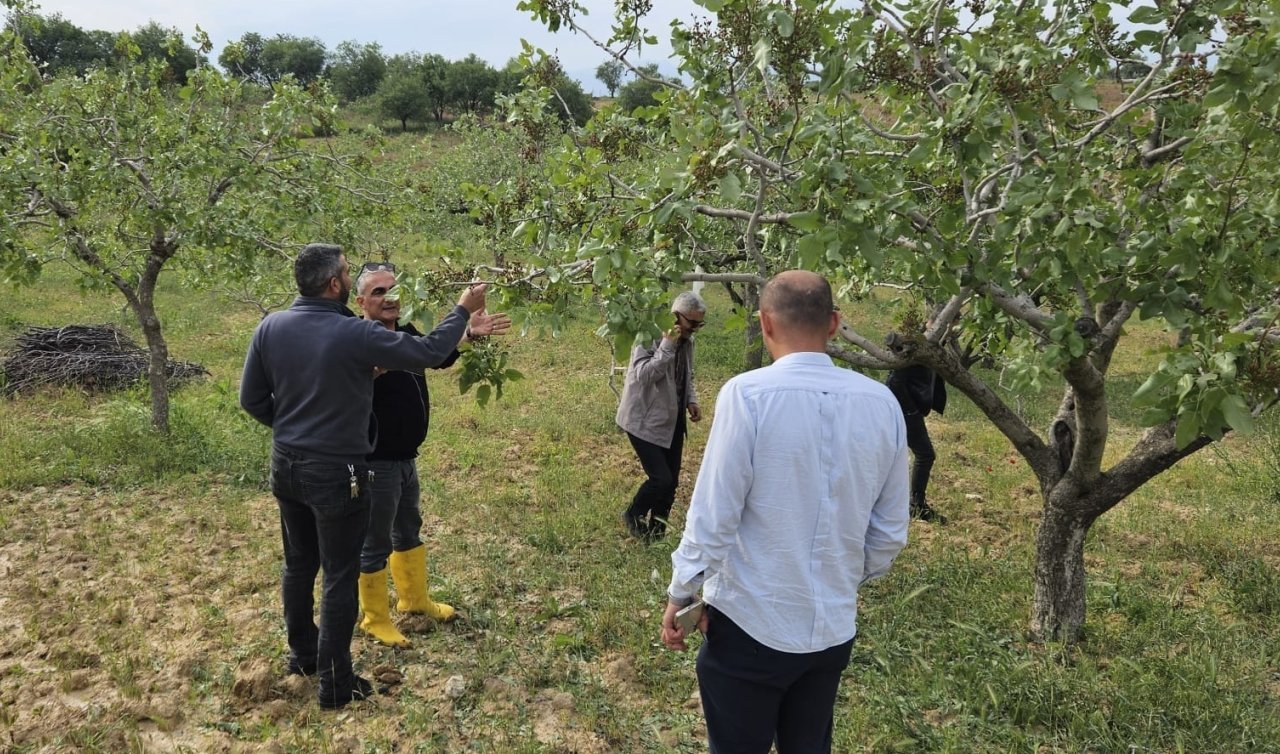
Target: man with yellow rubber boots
x=401, y=411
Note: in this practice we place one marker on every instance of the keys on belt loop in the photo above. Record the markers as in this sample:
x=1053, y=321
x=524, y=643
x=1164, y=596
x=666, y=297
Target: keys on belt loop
x=355, y=486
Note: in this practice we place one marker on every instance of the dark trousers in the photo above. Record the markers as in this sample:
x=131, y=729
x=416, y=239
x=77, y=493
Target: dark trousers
x=322, y=527
x=922, y=452
x=395, y=518
x=656, y=495
x=754, y=696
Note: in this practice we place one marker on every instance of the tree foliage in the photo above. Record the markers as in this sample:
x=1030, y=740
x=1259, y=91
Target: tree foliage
x=123, y=175
x=356, y=70
x=642, y=89
x=59, y=46
x=266, y=61
x=974, y=157
x=610, y=74
x=403, y=93
x=471, y=85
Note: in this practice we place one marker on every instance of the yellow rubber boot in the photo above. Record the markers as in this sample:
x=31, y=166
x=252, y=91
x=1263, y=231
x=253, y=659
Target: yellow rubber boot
x=377, y=610
x=409, y=571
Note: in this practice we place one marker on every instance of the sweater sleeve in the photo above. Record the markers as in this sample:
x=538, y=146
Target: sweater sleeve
x=400, y=350
x=256, y=395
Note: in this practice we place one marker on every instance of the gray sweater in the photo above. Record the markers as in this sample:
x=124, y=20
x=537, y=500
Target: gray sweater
x=309, y=374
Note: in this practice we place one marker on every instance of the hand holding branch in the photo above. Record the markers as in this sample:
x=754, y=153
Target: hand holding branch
x=472, y=298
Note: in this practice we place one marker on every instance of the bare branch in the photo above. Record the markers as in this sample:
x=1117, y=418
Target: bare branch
x=742, y=214
x=946, y=318
x=749, y=278
x=1020, y=307
x=1153, y=156
x=886, y=357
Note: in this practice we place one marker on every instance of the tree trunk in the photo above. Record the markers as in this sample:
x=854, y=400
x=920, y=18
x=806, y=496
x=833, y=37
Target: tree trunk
x=158, y=368
x=1058, y=606
x=755, y=341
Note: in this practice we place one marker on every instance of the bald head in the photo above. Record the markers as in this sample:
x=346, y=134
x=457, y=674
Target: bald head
x=799, y=301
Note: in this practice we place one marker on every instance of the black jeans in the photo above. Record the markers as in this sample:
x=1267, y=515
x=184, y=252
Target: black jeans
x=922, y=452
x=395, y=518
x=754, y=696
x=322, y=527
x=661, y=465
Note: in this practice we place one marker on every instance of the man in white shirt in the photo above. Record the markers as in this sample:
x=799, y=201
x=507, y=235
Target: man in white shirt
x=802, y=497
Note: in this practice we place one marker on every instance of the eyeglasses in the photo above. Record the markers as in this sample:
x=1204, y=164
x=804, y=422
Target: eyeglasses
x=377, y=267
x=694, y=324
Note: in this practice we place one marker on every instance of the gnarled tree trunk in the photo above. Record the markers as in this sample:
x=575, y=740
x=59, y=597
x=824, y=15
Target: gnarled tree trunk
x=1058, y=605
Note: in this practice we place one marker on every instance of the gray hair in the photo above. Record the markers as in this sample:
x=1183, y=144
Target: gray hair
x=365, y=272
x=689, y=302
x=315, y=266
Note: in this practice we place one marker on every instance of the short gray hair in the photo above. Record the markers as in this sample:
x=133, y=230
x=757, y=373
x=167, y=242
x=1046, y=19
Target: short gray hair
x=689, y=302
x=366, y=272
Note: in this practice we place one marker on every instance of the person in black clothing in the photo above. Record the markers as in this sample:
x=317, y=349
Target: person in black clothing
x=308, y=376
x=401, y=412
x=919, y=391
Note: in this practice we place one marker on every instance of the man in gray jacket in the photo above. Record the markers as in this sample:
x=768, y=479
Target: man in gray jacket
x=657, y=393
x=309, y=376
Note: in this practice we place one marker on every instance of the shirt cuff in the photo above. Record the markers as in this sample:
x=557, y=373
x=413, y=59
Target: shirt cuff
x=680, y=601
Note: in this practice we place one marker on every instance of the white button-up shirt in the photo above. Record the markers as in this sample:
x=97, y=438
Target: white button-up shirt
x=802, y=496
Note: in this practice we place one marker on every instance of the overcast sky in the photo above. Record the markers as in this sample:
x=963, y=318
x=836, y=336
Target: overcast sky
x=453, y=28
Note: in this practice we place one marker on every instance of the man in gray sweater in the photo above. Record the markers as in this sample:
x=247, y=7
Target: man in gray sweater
x=309, y=376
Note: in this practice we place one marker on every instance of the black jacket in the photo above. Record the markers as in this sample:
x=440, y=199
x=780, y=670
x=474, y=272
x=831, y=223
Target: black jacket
x=402, y=410
x=918, y=390
x=309, y=374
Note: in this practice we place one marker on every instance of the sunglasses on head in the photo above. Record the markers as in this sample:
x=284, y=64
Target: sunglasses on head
x=377, y=267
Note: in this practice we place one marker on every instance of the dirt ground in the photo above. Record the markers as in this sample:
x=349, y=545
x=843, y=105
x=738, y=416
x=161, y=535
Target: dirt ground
x=127, y=625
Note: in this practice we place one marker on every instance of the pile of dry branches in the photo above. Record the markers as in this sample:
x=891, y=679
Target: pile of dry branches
x=94, y=357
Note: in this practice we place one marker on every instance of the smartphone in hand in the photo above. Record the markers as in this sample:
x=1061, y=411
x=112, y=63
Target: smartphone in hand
x=687, y=617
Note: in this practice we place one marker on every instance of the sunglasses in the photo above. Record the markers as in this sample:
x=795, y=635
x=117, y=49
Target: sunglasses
x=377, y=267
x=694, y=324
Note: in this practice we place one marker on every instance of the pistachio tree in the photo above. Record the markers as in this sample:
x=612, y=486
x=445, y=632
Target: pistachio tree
x=125, y=176
x=982, y=156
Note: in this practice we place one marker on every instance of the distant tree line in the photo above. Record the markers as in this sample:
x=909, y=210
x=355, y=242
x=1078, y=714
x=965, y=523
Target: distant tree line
x=405, y=87
x=59, y=46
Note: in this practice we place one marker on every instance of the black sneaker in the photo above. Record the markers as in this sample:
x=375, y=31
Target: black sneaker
x=301, y=668
x=636, y=526
x=925, y=512
x=360, y=690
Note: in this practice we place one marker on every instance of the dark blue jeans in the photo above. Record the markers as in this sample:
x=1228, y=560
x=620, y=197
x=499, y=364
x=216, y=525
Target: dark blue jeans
x=322, y=527
x=395, y=520
x=754, y=696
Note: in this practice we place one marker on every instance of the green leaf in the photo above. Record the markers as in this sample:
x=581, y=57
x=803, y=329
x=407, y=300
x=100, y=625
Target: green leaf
x=760, y=58
x=1153, y=417
x=1146, y=14
x=1188, y=429
x=809, y=221
x=482, y=394
x=712, y=5
x=810, y=249
x=1153, y=385
x=731, y=188
x=1084, y=99
x=1237, y=414
x=785, y=23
